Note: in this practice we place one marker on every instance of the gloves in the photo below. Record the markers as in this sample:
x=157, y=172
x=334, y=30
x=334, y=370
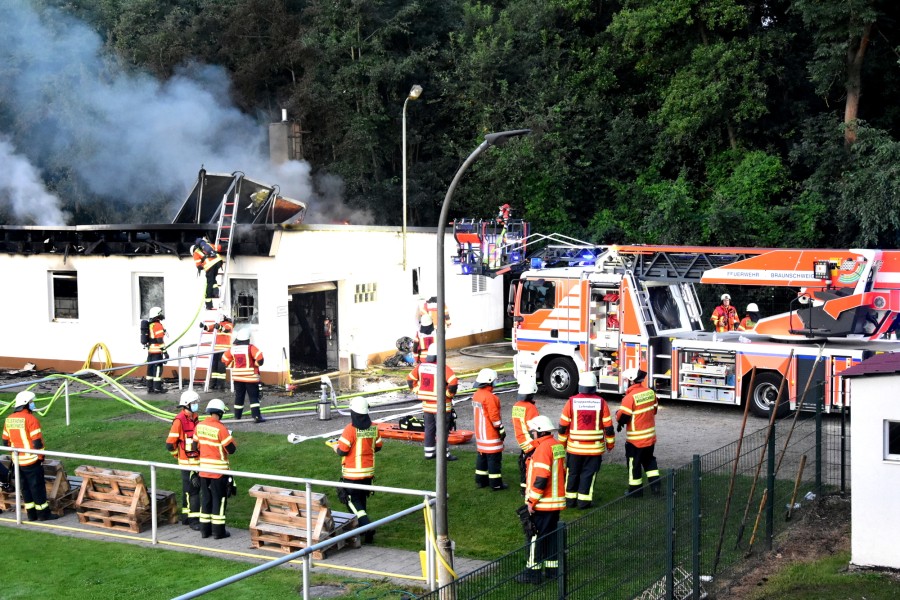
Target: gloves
x=620, y=426
x=201, y=326
x=199, y=270
x=502, y=432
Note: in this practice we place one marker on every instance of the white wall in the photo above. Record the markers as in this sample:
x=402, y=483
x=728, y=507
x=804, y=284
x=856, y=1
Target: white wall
x=876, y=504
x=108, y=299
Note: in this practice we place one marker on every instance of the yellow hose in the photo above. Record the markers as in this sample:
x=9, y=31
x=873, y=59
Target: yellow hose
x=98, y=346
x=429, y=531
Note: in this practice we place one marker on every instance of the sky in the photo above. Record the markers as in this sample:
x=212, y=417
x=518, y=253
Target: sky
x=68, y=107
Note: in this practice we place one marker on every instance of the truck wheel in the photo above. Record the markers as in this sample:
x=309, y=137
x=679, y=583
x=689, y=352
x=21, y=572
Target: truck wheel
x=561, y=378
x=762, y=396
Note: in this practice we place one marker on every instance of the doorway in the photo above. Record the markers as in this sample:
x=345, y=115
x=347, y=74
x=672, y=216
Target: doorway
x=313, y=322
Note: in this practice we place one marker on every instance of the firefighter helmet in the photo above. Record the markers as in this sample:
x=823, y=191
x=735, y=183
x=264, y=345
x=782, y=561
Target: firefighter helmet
x=527, y=388
x=634, y=374
x=25, y=398
x=156, y=312
x=432, y=350
x=752, y=307
x=243, y=334
x=216, y=406
x=587, y=379
x=541, y=424
x=486, y=377
x=726, y=297
x=188, y=398
x=425, y=320
x=221, y=317
x=360, y=406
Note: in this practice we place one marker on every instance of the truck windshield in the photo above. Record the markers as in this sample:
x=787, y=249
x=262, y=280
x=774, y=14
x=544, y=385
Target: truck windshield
x=537, y=294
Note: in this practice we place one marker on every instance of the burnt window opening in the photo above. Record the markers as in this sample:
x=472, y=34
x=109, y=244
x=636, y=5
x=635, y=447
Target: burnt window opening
x=416, y=274
x=244, y=301
x=151, y=292
x=64, y=288
x=892, y=440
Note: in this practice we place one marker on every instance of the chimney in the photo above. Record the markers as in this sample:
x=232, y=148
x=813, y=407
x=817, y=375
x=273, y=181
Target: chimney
x=279, y=142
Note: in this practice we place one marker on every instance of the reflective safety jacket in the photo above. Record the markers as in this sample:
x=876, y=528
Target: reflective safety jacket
x=157, y=337
x=430, y=307
x=201, y=260
x=23, y=430
x=182, y=441
x=522, y=412
x=585, y=425
x=725, y=318
x=423, y=341
x=747, y=324
x=545, y=479
x=486, y=405
x=214, y=447
x=244, y=360
x=423, y=381
x=223, y=335
x=360, y=446
x=640, y=405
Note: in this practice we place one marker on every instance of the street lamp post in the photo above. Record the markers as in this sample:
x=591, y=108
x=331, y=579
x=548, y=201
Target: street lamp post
x=440, y=512
x=414, y=93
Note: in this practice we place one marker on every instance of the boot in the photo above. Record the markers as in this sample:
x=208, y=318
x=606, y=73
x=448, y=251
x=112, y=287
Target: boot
x=151, y=387
x=205, y=529
x=532, y=576
x=571, y=502
x=257, y=416
x=499, y=487
x=159, y=387
x=369, y=536
x=32, y=514
x=238, y=412
x=219, y=532
x=585, y=504
x=194, y=524
x=551, y=572
x=656, y=488
x=45, y=515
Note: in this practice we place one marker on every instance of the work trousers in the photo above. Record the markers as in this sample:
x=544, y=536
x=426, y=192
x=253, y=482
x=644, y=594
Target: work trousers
x=581, y=470
x=241, y=390
x=543, y=548
x=190, y=497
x=212, y=284
x=218, y=370
x=431, y=433
x=487, y=469
x=154, y=372
x=213, y=500
x=641, y=461
x=34, y=492
x=523, y=470
x=357, y=501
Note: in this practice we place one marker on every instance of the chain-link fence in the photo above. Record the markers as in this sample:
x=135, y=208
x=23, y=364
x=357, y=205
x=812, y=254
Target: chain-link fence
x=721, y=507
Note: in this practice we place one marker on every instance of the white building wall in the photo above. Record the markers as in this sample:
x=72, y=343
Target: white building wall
x=109, y=301
x=875, y=508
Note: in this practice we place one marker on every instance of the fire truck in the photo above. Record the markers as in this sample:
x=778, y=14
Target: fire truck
x=609, y=308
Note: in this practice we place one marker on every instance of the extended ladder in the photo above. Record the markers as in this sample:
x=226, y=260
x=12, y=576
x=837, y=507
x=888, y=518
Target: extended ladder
x=202, y=359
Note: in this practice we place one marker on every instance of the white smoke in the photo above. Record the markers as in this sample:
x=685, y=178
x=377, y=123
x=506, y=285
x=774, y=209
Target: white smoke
x=23, y=192
x=127, y=136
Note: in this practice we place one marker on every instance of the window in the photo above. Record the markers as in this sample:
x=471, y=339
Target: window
x=416, y=275
x=151, y=292
x=537, y=294
x=244, y=300
x=892, y=440
x=365, y=292
x=479, y=284
x=64, y=285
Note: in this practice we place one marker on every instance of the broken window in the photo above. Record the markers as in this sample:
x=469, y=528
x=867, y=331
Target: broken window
x=244, y=300
x=64, y=288
x=151, y=292
x=892, y=440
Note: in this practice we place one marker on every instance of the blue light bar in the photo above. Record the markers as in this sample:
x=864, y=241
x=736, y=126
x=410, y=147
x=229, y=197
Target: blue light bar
x=537, y=263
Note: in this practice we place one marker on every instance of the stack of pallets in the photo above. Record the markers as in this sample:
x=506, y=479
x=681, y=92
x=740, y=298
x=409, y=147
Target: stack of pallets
x=279, y=521
x=119, y=500
x=61, y=489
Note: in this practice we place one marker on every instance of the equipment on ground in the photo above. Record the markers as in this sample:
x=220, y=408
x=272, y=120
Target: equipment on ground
x=396, y=432
x=527, y=521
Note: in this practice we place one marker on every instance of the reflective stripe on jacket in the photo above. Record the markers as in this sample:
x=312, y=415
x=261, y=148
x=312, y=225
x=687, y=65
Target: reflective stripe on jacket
x=586, y=425
x=183, y=435
x=547, y=462
x=157, y=337
x=244, y=361
x=639, y=402
x=21, y=430
x=213, y=438
x=486, y=406
x=361, y=445
x=522, y=412
x=424, y=378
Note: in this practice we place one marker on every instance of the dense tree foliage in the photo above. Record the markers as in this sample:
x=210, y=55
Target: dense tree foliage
x=744, y=122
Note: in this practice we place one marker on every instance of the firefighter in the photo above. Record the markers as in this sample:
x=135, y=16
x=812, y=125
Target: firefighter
x=725, y=316
x=430, y=307
x=748, y=323
x=424, y=338
x=156, y=351
x=544, y=498
x=216, y=444
x=489, y=432
x=357, y=447
x=222, y=327
x=208, y=259
x=245, y=359
x=183, y=445
x=586, y=428
x=637, y=414
x=524, y=411
x=423, y=381
x=23, y=430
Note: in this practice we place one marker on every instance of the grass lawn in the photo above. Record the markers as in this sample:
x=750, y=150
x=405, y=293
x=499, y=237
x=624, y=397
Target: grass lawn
x=827, y=579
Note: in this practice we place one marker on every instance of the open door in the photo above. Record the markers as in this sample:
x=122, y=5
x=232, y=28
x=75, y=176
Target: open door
x=313, y=321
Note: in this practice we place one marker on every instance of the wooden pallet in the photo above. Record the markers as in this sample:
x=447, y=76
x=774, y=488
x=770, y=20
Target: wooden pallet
x=62, y=490
x=119, y=500
x=279, y=521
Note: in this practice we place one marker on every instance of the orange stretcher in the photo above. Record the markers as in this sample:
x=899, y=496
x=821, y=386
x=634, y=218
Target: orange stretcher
x=394, y=432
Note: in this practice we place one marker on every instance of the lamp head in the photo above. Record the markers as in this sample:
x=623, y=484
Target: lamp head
x=415, y=92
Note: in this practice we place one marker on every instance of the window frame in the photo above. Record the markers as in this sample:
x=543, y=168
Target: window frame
x=887, y=454
x=139, y=313
x=52, y=278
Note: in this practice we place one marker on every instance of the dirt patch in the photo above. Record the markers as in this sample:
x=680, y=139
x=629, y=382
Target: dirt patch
x=819, y=531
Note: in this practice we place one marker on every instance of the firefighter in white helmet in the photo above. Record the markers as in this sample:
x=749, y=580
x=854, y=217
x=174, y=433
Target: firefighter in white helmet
x=357, y=447
x=216, y=444
x=489, y=432
x=725, y=316
x=523, y=411
x=423, y=381
x=182, y=443
x=748, y=323
x=156, y=350
x=22, y=430
x=424, y=338
x=586, y=428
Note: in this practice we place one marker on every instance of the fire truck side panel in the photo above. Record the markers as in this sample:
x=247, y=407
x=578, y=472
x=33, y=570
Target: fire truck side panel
x=631, y=311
